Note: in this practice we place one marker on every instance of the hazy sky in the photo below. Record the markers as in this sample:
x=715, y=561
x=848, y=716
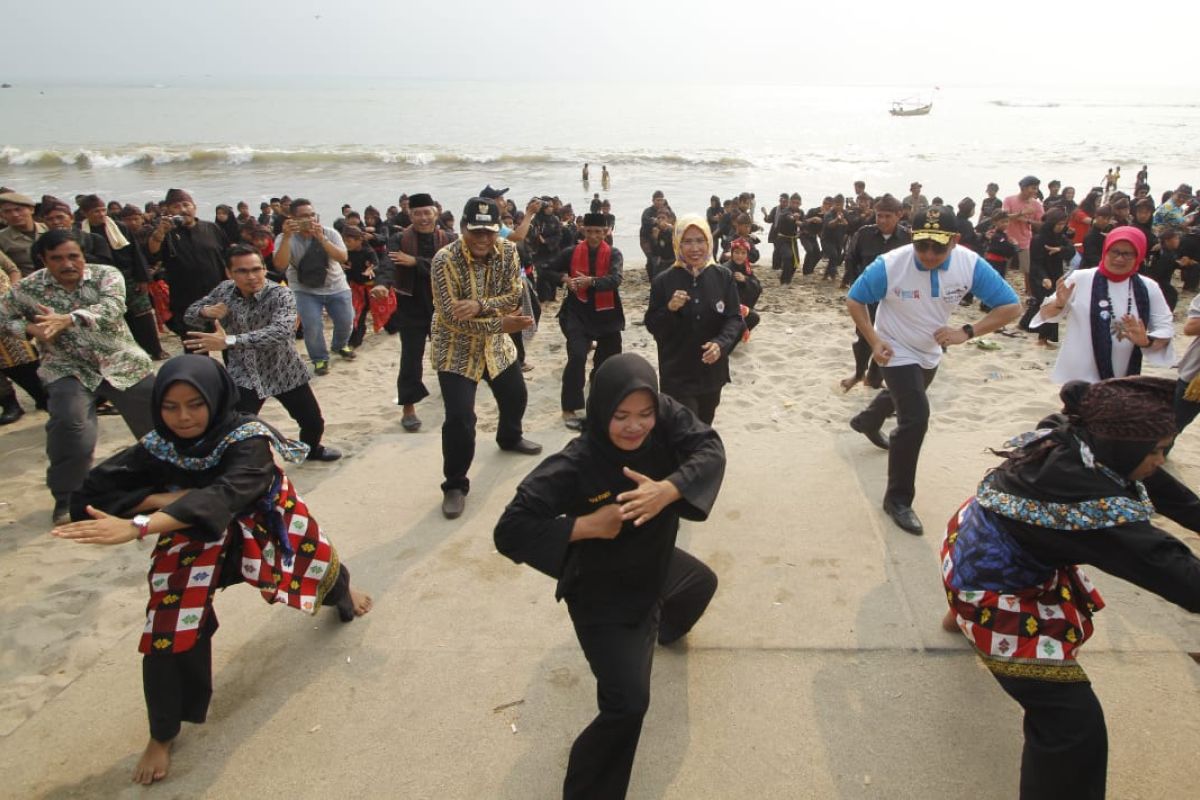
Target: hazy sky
x=864, y=42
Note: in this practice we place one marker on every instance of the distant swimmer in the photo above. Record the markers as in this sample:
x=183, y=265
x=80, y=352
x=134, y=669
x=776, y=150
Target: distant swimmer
x=604, y=176
x=585, y=173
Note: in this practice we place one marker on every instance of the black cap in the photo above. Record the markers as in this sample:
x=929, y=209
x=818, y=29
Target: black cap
x=1029, y=180
x=489, y=193
x=595, y=221
x=1185, y=190
x=937, y=223
x=421, y=200
x=481, y=214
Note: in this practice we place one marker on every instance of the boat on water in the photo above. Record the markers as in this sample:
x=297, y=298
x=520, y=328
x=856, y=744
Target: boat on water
x=900, y=109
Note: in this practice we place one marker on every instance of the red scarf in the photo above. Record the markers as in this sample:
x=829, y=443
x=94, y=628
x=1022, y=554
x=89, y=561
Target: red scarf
x=1124, y=233
x=605, y=301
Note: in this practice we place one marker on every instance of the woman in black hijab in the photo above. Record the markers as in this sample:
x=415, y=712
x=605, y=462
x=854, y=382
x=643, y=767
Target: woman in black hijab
x=1079, y=490
x=601, y=517
x=205, y=484
x=226, y=220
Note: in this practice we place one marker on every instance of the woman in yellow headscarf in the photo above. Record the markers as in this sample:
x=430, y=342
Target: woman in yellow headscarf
x=694, y=315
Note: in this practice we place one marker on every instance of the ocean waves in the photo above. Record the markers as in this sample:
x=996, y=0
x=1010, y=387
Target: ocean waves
x=151, y=156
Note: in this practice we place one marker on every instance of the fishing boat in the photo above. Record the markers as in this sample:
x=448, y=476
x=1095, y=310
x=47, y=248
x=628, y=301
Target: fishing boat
x=913, y=106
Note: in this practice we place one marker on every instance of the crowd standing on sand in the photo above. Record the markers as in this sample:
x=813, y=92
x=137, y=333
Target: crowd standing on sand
x=92, y=296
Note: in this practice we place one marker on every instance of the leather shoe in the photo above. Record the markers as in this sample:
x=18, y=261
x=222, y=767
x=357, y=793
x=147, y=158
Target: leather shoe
x=453, y=503
x=524, y=447
x=12, y=413
x=325, y=454
x=905, y=517
x=874, y=435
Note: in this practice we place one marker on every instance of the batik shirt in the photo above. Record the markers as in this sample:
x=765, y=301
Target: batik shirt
x=264, y=359
x=468, y=347
x=99, y=347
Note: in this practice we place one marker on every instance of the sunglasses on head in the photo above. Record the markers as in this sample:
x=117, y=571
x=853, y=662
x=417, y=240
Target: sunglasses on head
x=930, y=246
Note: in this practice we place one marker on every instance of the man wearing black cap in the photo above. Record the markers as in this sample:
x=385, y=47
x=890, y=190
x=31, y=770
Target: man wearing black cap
x=518, y=233
x=591, y=273
x=915, y=202
x=917, y=287
x=192, y=252
x=407, y=270
x=476, y=295
x=646, y=233
x=1024, y=218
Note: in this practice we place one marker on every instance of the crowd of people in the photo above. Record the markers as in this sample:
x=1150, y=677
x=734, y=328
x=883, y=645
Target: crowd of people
x=93, y=294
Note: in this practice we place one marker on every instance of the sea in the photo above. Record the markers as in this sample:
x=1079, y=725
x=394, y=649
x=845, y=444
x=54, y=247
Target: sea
x=361, y=145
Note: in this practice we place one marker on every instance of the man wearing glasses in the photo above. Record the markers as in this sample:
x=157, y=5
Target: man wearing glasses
x=254, y=322
x=917, y=287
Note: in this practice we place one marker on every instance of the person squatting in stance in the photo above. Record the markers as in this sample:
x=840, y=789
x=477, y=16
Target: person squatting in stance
x=204, y=484
x=1081, y=489
x=601, y=517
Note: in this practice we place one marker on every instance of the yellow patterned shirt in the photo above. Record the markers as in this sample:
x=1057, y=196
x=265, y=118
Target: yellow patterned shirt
x=468, y=347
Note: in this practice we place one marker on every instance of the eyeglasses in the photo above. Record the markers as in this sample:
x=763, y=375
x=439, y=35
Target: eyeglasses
x=245, y=273
x=930, y=246
x=1123, y=255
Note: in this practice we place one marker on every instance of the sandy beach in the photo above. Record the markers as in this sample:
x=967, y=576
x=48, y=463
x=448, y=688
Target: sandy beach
x=819, y=671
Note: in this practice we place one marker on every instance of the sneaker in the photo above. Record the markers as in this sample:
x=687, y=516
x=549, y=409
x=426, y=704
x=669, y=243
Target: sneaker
x=321, y=367
x=347, y=353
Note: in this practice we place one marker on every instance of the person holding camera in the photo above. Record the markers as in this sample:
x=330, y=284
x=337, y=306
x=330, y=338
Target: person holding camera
x=191, y=251
x=313, y=256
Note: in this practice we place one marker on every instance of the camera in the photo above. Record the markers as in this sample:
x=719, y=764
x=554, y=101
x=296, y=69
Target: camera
x=179, y=221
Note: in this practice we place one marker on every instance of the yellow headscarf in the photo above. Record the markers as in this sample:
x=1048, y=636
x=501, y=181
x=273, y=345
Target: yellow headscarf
x=681, y=226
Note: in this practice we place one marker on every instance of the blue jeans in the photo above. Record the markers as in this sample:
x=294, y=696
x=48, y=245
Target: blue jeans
x=341, y=311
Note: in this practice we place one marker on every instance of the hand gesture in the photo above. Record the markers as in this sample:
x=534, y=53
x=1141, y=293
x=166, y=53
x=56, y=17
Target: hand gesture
x=100, y=529
x=511, y=323
x=533, y=206
x=603, y=523
x=710, y=353
x=379, y=292
x=946, y=336
x=1062, y=292
x=465, y=309
x=291, y=226
x=1133, y=329
x=882, y=353
x=201, y=342
x=403, y=259
x=50, y=323
x=218, y=311
x=646, y=501
x=678, y=300
x=316, y=231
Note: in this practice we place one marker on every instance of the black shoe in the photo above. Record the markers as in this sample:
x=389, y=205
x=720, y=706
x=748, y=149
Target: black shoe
x=524, y=447
x=905, y=517
x=411, y=423
x=874, y=435
x=12, y=412
x=573, y=423
x=61, y=514
x=453, y=503
x=324, y=454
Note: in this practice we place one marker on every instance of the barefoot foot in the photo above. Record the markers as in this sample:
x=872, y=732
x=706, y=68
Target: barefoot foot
x=849, y=383
x=362, y=602
x=950, y=622
x=153, y=764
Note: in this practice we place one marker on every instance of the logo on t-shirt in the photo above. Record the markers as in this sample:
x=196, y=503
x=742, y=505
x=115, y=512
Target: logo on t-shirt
x=907, y=294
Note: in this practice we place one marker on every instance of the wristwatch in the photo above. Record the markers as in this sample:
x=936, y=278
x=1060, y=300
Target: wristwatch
x=142, y=523
x=969, y=330
x=230, y=340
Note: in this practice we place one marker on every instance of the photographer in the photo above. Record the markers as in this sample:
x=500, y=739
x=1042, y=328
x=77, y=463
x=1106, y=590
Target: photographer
x=313, y=256
x=192, y=253
x=662, y=243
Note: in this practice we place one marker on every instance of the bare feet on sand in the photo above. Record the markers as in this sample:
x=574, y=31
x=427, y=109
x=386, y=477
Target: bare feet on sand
x=950, y=622
x=153, y=764
x=849, y=383
x=362, y=602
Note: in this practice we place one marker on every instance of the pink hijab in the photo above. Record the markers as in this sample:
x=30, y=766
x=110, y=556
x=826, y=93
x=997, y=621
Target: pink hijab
x=1125, y=233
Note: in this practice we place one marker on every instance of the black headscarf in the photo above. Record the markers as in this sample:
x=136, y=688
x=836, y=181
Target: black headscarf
x=210, y=378
x=1120, y=421
x=616, y=379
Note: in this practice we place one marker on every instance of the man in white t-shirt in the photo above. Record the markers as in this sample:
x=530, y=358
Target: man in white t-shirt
x=917, y=287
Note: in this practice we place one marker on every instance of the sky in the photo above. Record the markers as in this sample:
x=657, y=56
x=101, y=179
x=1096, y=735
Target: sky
x=863, y=42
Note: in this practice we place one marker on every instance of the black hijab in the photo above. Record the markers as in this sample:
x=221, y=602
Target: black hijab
x=616, y=379
x=210, y=378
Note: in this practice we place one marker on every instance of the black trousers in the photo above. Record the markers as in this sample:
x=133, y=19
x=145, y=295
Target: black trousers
x=620, y=657
x=578, y=345
x=301, y=405
x=1048, y=330
x=410, y=388
x=458, y=430
x=789, y=257
x=1066, y=740
x=703, y=406
x=358, y=331
x=812, y=253
x=178, y=686
x=905, y=397
x=25, y=376
x=864, y=365
x=834, y=251
x=145, y=333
